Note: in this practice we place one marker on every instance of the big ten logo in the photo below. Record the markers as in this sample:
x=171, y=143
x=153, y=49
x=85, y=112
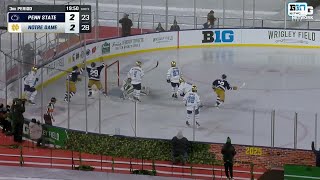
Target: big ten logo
x=300, y=10
x=254, y=151
x=218, y=36
x=221, y=56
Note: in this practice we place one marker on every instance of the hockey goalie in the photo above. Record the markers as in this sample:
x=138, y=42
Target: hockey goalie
x=127, y=90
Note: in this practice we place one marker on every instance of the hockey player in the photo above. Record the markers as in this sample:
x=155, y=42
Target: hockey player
x=29, y=83
x=73, y=78
x=48, y=117
x=94, y=78
x=127, y=89
x=220, y=86
x=173, y=77
x=192, y=102
x=135, y=74
x=184, y=87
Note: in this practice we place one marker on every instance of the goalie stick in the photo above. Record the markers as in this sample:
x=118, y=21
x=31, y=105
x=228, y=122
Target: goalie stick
x=152, y=68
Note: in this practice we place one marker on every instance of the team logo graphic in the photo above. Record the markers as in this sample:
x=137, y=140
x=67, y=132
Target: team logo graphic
x=15, y=17
x=15, y=27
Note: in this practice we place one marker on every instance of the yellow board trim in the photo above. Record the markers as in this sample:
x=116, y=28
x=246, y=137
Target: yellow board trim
x=58, y=76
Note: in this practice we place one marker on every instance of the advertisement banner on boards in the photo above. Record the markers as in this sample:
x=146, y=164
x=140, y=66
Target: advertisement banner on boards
x=52, y=135
x=281, y=37
x=209, y=36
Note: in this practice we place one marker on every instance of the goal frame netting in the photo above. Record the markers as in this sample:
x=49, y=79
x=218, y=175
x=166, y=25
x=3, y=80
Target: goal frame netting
x=116, y=65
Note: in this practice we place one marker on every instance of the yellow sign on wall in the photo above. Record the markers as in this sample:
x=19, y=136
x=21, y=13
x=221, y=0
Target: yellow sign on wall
x=254, y=151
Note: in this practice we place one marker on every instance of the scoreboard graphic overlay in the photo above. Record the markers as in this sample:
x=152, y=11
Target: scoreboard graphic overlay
x=49, y=18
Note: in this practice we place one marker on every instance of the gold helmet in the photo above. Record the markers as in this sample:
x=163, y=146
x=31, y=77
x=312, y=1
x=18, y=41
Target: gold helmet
x=173, y=64
x=139, y=63
x=34, y=69
x=181, y=80
x=194, y=88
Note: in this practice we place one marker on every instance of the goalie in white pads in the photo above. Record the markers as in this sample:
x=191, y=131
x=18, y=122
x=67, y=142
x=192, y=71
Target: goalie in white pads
x=94, y=74
x=192, y=102
x=184, y=87
x=127, y=89
x=29, y=83
x=135, y=74
x=173, y=77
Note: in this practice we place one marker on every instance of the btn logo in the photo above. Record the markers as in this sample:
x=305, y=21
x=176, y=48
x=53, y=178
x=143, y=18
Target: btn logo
x=225, y=36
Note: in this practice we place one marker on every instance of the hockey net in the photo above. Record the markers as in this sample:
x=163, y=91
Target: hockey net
x=112, y=74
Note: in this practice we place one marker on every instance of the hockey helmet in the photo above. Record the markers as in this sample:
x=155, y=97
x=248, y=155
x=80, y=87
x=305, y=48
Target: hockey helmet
x=139, y=63
x=224, y=76
x=75, y=68
x=181, y=80
x=93, y=64
x=173, y=64
x=53, y=99
x=34, y=69
x=129, y=80
x=194, y=88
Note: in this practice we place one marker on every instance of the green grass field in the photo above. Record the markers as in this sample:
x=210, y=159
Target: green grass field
x=294, y=172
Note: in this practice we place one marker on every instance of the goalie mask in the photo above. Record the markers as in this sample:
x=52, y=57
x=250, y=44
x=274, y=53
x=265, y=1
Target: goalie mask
x=173, y=64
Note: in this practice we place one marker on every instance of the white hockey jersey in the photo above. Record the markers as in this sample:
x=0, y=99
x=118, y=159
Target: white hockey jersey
x=136, y=74
x=31, y=79
x=184, y=87
x=173, y=74
x=192, y=100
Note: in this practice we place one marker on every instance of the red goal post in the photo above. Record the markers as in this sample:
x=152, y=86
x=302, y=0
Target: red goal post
x=112, y=76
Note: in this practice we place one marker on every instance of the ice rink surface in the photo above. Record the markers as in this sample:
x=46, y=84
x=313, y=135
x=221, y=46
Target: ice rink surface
x=283, y=79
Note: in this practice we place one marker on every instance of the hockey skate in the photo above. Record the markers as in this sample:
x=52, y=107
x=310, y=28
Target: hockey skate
x=136, y=99
x=175, y=95
x=198, y=125
x=31, y=102
x=90, y=94
x=187, y=123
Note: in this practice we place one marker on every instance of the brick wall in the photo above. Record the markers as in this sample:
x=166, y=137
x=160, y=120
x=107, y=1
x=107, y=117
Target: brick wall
x=265, y=157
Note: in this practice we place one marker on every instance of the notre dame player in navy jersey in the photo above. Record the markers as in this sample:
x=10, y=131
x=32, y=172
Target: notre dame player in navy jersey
x=94, y=77
x=220, y=86
x=73, y=78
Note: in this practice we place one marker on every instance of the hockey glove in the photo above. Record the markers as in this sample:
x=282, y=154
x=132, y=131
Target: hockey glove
x=182, y=94
x=168, y=81
x=235, y=88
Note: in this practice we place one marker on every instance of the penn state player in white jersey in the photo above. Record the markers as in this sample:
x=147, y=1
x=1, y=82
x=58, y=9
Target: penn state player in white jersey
x=192, y=102
x=173, y=76
x=136, y=74
x=29, y=85
x=184, y=87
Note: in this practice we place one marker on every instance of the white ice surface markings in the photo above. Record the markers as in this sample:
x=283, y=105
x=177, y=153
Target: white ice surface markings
x=286, y=82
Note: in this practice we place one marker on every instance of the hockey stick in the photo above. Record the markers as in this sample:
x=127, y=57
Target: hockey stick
x=152, y=68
